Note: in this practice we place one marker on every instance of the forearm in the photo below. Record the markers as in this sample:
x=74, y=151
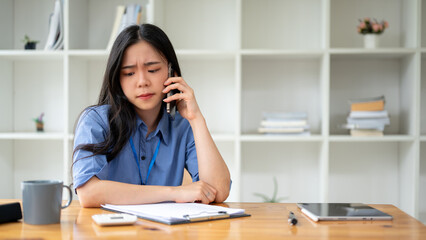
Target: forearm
x=211, y=166
x=96, y=192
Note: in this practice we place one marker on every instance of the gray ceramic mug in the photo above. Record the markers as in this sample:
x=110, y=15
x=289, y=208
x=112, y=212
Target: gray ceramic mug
x=42, y=201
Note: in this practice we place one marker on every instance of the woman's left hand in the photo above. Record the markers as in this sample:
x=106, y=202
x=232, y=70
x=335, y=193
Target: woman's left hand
x=185, y=100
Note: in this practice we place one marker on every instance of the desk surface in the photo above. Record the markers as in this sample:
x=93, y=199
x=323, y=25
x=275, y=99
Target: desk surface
x=268, y=221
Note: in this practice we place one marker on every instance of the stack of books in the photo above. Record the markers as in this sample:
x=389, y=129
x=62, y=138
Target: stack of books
x=289, y=123
x=124, y=17
x=368, y=117
x=55, y=37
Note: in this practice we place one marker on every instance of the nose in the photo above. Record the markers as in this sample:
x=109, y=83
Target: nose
x=143, y=80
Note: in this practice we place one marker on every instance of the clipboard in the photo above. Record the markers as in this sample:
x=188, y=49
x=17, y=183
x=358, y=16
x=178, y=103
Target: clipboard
x=178, y=213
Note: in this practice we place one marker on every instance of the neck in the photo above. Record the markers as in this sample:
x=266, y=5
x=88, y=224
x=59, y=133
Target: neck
x=150, y=117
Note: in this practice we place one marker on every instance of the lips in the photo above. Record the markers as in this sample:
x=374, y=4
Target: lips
x=145, y=96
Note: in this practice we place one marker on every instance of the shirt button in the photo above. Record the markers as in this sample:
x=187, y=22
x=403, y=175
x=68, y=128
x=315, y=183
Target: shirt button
x=143, y=158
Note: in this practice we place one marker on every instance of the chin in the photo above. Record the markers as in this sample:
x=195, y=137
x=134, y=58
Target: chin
x=148, y=107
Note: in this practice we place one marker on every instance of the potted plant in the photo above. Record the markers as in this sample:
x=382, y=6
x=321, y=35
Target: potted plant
x=39, y=123
x=274, y=198
x=29, y=44
x=371, y=29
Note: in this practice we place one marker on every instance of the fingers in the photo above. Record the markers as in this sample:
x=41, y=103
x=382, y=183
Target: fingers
x=175, y=83
x=209, y=193
x=195, y=192
x=175, y=80
x=179, y=84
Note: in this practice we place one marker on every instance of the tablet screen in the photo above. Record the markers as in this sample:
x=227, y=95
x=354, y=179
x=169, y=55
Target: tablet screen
x=342, y=211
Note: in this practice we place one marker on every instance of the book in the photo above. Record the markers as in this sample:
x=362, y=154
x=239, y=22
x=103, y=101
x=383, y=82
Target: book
x=124, y=17
x=366, y=126
x=59, y=40
x=370, y=121
x=118, y=16
x=367, y=117
x=369, y=114
x=283, y=123
x=177, y=213
x=281, y=130
x=55, y=35
x=289, y=123
x=366, y=132
x=368, y=104
x=284, y=115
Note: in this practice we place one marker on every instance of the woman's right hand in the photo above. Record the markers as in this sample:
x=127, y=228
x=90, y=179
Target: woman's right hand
x=195, y=192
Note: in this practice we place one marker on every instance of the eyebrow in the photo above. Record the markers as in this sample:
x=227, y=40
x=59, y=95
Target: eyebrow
x=146, y=64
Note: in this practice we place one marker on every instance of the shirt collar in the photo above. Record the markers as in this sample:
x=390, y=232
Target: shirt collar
x=162, y=127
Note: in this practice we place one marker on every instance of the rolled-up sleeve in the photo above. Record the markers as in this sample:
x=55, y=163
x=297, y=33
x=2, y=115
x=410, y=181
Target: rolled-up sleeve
x=91, y=129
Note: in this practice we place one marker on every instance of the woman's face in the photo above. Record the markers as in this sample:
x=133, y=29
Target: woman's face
x=142, y=76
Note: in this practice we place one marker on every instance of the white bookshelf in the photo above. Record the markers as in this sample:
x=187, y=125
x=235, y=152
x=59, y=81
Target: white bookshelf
x=241, y=57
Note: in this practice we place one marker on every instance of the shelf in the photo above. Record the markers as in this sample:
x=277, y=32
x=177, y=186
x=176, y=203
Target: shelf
x=401, y=15
x=423, y=90
x=291, y=53
x=293, y=164
x=31, y=55
x=185, y=54
x=363, y=53
x=223, y=137
x=89, y=54
x=272, y=25
x=279, y=138
x=386, y=138
x=32, y=136
x=353, y=78
x=422, y=180
x=201, y=24
x=423, y=28
x=290, y=85
x=376, y=167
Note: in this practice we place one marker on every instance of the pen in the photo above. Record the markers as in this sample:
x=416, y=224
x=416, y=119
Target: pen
x=292, y=220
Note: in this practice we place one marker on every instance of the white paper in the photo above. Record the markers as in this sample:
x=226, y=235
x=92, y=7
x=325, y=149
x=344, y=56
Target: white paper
x=172, y=211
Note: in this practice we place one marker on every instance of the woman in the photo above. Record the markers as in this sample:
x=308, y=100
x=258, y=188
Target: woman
x=128, y=149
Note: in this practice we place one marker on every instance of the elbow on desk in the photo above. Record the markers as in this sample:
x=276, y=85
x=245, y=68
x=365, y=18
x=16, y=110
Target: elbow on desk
x=87, y=200
x=88, y=193
x=222, y=194
x=220, y=198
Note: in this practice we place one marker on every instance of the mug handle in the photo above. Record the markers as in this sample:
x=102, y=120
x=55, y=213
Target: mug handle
x=70, y=198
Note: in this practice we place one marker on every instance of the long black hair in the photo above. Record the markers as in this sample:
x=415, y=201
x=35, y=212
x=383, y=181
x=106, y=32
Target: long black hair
x=121, y=115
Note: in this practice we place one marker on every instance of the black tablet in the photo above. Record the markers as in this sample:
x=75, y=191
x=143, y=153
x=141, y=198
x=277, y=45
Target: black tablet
x=342, y=211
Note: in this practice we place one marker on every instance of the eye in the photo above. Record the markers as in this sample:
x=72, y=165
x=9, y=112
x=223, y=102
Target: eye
x=129, y=74
x=154, y=70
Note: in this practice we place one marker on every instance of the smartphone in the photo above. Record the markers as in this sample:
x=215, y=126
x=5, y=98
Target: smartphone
x=171, y=106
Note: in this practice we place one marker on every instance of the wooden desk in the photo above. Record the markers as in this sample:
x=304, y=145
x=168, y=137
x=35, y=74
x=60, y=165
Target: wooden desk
x=268, y=221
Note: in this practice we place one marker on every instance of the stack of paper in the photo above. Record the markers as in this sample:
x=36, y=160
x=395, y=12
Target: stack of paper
x=55, y=38
x=368, y=117
x=290, y=123
x=175, y=213
x=124, y=17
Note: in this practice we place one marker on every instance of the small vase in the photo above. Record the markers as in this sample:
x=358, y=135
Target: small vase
x=371, y=40
x=30, y=46
x=39, y=127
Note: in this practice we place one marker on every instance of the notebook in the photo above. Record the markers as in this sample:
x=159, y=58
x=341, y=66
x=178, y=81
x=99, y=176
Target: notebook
x=342, y=211
x=177, y=213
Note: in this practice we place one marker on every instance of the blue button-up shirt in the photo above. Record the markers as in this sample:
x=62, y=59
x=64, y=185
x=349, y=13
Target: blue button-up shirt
x=176, y=152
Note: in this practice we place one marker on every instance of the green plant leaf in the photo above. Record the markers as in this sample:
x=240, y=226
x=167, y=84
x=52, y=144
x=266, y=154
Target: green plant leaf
x=264, y=197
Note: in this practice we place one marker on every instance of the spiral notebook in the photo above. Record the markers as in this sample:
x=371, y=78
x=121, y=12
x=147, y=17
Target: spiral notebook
x=178, y=213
